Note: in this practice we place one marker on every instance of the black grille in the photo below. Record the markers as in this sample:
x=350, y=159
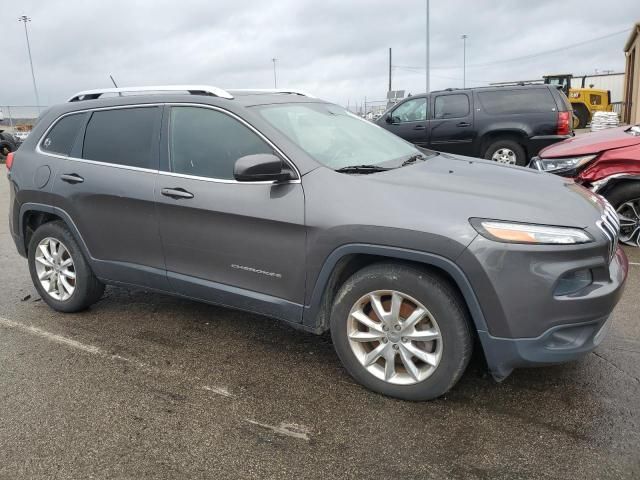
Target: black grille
x=610, y=226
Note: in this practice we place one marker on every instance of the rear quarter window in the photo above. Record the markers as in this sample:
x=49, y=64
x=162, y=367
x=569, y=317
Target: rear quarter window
x=122, y=136
x=509, y=102
x=62, y=136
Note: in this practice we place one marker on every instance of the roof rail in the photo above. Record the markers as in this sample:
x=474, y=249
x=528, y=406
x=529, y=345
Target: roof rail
x=192, y=89
x=292, y=91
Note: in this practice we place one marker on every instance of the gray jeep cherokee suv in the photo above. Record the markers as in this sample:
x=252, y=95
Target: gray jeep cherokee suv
x=278, y=203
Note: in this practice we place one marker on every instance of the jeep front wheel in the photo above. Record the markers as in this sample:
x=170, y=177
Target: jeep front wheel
x=401, y=331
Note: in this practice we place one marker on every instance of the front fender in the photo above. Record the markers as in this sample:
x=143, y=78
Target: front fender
x=311, y=311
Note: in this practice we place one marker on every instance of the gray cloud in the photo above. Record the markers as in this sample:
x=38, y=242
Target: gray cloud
x=335, y=49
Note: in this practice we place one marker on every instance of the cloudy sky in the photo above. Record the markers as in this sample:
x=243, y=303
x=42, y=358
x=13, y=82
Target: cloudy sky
x=337, y=49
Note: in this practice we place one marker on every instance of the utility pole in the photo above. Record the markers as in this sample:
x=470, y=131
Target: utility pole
x=275, y=79
x=389, y=69
x=25, y=19
x=464, y=60
x=427, y=45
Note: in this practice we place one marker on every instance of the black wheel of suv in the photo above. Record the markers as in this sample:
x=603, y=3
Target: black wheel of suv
x=6, y=148
x=625, y=198
x=59, y=270
x=506, y=151
x=581, y=112
x=401, y=331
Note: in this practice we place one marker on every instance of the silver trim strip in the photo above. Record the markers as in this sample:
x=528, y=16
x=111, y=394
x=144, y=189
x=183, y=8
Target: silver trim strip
x=162, y=172
x=271, y=90
x=192, y=89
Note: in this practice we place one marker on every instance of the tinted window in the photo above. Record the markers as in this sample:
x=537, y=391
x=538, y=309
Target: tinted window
x=451, y=106
x=207, y=143
x=411, y=111
x=504, y=102
x=123, y=136
x=62, y=136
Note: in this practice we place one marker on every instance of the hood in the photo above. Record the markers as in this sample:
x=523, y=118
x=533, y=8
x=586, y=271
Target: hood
x=594, y=142
x=457, y=186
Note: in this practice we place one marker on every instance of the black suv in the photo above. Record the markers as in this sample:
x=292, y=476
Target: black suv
x=289, y=206
x=505, y=124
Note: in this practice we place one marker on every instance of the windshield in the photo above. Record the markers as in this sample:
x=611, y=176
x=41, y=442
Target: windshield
x=335, y=137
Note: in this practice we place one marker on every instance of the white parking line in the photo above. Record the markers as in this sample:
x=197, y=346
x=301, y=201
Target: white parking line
x=634, y=263
x=69, y=342
x=93, y=350
x=288, y=429
x=218, y=391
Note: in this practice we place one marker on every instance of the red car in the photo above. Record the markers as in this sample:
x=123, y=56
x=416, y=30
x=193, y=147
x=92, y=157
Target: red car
x=608, y=163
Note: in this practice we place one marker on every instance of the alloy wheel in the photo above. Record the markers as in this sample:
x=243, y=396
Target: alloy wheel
x=504, y=155
x=629, y=215
x=55, y=269
x=394, y=337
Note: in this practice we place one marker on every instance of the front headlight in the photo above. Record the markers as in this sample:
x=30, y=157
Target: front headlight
x=556, y=165
x=509, y=232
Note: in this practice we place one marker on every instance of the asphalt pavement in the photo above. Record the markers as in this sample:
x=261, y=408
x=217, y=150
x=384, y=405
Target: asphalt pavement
x=149, y=386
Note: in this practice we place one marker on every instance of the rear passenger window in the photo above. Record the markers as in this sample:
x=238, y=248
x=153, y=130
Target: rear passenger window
x=206, y=143
x=122, y=136
x=451, y=106
x=505, y=102
x=62, y=136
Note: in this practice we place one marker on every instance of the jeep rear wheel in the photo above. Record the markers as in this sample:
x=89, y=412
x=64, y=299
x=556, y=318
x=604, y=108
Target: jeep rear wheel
x=59, y=270
x=401, y=331
x=506, y=151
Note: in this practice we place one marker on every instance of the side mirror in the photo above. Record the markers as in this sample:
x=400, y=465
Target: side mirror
x=388, y=118
x=263, y=167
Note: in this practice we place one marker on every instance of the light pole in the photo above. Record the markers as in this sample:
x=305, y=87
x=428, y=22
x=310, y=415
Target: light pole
x=25, y=19
x=275, y=79
x=427, y=48
x=464, y=60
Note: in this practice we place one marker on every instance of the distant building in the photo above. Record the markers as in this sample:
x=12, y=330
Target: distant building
x=632, y=77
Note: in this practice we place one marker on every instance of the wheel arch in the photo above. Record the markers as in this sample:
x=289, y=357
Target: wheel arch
x=33, y=215
x=617, y=182
x=347, y=259
x=515, y=134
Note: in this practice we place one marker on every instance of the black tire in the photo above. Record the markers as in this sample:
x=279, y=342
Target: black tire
x=88, y=289
x=618, y=196
x=6, y=147
x=581, y=112
x=515, y=147
x=442, y=301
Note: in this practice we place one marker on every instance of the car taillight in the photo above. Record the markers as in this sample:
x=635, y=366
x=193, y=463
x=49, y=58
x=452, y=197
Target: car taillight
x=564, y=123
x=9, y=160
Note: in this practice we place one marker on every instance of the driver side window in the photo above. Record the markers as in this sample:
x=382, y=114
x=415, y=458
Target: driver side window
x=206, y=143
x=411, y=111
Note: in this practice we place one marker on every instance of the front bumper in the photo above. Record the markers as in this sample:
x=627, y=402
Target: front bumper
x=527, y=325
x=559, y=344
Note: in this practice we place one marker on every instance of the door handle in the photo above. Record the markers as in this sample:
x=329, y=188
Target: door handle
x=463, y=124
x=71, y=178
x=176, y=193
x=419, y=127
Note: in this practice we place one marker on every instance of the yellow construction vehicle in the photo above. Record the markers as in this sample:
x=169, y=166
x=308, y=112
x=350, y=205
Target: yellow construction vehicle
x=584, y=100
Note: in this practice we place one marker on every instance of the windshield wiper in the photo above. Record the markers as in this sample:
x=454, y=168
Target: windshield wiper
x=413, y=158
x=362, y=169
